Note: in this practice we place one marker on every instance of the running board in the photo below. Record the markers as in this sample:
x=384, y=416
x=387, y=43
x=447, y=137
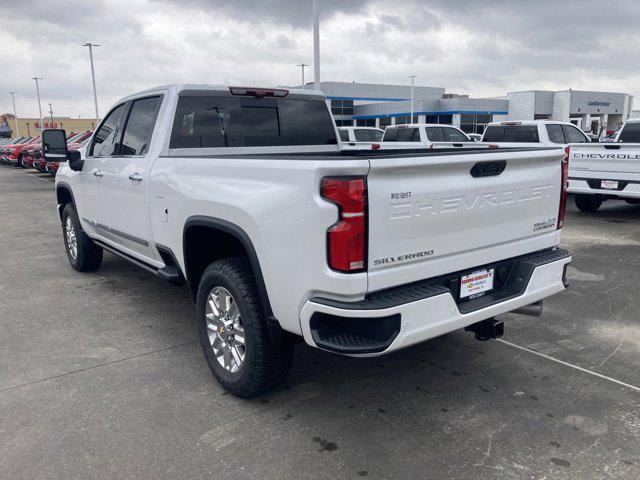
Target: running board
x=171, y=273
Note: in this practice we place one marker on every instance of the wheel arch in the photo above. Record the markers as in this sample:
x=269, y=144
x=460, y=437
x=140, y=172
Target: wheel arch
x=225, y=230
x=64, y=195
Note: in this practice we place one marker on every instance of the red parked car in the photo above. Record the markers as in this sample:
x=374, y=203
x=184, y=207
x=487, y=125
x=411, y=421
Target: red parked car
x=13, y=153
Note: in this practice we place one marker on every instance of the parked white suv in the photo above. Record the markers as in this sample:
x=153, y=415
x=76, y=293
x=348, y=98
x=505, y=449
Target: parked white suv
x=243, y=194
x=359, y=138
x=425, y=135
x=542, y=133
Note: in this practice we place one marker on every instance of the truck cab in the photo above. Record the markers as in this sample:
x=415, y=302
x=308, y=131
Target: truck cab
x=425, y=135
x=534, y=133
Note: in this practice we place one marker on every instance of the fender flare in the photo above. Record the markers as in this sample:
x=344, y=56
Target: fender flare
x=244, y=239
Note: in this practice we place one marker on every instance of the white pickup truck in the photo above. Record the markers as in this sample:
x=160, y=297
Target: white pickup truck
x=536, y=133
x=604, y=171
x=243, y=194
x=426, y=135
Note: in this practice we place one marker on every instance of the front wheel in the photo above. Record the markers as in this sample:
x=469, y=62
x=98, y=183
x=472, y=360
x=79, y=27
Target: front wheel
x=588, y=203
x=233, y=331
x=83, y=254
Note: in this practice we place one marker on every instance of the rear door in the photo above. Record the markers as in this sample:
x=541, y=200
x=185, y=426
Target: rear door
x=126, y=214
x=441, y=212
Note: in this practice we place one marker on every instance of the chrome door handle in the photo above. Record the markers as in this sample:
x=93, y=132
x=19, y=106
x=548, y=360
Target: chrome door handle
x=98, y=173
x=136, y=177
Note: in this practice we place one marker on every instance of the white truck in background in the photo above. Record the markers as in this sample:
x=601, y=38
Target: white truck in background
x=533, y=133
x=244, y=195
x=426, y=135
x=359, y=138
x=606, y=171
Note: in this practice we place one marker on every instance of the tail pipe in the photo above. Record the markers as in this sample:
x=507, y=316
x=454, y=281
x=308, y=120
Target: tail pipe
x=533, y=310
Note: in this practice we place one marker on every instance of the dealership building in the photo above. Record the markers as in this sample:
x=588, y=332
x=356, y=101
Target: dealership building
x=367, y=104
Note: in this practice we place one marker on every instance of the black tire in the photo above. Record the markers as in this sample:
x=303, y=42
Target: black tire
x=88, y=256
x=588, y=203
x=632, y=201
x=266, y=364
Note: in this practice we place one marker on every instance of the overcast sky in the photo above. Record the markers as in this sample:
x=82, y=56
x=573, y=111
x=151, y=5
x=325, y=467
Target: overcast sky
x=483, y=48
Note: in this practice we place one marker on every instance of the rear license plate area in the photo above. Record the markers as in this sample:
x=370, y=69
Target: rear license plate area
x=476, y=284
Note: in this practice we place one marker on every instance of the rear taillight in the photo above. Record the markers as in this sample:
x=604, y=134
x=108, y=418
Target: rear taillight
x=346, y=239
x=565, y=185
x=375, y=146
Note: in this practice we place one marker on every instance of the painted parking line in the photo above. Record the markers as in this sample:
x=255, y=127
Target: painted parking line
x=570, y=365
x=48, y=180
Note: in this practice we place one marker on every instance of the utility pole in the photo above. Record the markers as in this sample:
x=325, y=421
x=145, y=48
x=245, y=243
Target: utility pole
x=36, y=78
x=93, y=77
x=412, y=77
x=302, y=65
x=15, y=115
x=51, y=112
x=316, y=45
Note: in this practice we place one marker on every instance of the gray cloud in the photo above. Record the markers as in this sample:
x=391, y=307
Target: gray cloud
x=481, y=48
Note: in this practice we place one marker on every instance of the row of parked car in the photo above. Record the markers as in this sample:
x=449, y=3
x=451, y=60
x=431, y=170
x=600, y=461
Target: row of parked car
x=26, y=152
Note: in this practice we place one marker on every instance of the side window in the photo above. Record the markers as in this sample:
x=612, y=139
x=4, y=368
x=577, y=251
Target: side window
x=435, y=134
x=630, y=133
x=362, y=135
x=344, y=135
x=573, y=135
x=139, y=126
x=390, y=135
x=105, y=141
x=556, y=134
x=408, y=135
x=376, y=135
x=453, y=135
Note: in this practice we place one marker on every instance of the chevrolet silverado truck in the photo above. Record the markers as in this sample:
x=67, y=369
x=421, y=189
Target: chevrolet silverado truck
x=604, y=171
x=244, y=195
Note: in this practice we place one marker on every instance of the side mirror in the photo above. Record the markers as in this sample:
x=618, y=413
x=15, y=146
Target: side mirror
x=54, y=145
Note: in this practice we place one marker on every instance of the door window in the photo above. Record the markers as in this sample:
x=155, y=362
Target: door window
x=573, y=135
x=435, y=134
x=139, y=126
x=453, y=135
x=408, y=135
x=105, y=140
x=556, y=134
x=344, y=135
x=362, y=135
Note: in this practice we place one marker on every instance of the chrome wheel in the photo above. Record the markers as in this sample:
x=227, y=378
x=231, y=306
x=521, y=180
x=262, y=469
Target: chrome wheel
x=225, y=330
x=72, y=240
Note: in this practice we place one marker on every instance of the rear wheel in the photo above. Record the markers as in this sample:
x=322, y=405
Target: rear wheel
x=83, y=254
x=588, y=203
x=233, y=331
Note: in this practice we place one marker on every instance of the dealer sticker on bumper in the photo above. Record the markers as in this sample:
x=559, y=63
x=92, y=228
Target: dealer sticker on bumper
x=476, y=284
x=609, y=184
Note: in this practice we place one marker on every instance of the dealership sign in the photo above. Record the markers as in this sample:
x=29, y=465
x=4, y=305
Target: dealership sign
x=598, y=103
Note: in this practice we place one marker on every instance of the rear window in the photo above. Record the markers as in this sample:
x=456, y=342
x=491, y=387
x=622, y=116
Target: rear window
x=210, y=121
x=630, y=133
x=511, y=133
x=390, y=135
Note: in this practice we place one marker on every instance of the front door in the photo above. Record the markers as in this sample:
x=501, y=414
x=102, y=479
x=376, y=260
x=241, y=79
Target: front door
x=125, y=180
x=90, y=181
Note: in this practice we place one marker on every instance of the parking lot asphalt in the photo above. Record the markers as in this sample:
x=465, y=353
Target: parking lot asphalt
x=101, y=376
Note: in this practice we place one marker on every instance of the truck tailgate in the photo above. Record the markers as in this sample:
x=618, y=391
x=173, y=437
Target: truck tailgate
x=604, y=157
x=440, y=213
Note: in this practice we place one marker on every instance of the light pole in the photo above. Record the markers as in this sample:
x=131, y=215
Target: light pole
x=302, y=65
x=316, y=45
x=412, y=77
x=15, y=115
x=93, y=76
x=51, y=112
x=36, y=78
